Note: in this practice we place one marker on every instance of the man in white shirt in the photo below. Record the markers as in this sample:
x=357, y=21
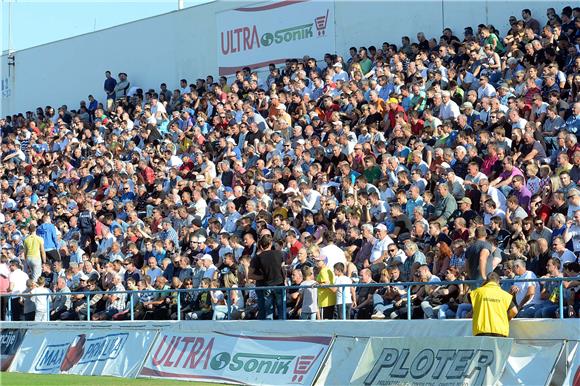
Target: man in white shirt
x=310, y=198
x=494, y=193
x=516, y=121
x=561, y=252
x=485, y=88
x=40, y=301
x=527, y=293
x=17, y=280
x=332, y=252
x=380, y=248
x=232, y=217
x=340, y=74
x=210, y=268
x=154, y=271
x=449, y=109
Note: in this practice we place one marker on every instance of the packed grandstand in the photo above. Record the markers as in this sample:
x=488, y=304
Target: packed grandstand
x=437, y=160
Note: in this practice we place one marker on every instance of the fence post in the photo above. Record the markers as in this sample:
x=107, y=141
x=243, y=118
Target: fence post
x=344, y=289
x=9, y=315
x=178, y=306
x=561, y=299
x=88, y=307
x=228, y=304
x=48, y=305
x=131, y=306
x=283, y=310
x=409, y=302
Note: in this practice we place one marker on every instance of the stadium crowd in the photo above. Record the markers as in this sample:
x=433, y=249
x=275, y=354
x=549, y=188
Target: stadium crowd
x=442, y=159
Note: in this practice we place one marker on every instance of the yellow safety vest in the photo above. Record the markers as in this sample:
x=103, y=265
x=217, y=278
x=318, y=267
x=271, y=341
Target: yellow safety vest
x=490, y=310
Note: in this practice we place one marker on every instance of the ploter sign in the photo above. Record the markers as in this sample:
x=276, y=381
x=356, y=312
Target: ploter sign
x=460, y=361
x=440, y=365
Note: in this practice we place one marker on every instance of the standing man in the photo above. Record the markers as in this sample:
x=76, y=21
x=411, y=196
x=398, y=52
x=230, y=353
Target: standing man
x=122, y=87
x=109, y=87
x=266, y=269
x=493, y=308
x=34, y=252
x=479, y=263
x=47, y=231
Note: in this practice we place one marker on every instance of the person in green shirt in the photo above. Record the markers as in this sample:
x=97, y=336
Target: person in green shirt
x=372, y=171
x=492, y=39
x=365, y=63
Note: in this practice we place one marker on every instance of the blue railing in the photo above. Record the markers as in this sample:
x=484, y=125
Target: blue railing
x=176, y=292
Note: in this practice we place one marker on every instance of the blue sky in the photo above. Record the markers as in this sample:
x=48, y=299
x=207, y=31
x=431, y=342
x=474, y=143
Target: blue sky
x=38, y=22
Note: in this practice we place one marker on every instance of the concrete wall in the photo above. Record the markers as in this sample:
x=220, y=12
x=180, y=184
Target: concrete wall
x=182, y=44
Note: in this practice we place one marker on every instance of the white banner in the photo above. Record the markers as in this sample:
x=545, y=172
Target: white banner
x=453, y=362
x=238, y=359
x=271, y=33
x=116, y=353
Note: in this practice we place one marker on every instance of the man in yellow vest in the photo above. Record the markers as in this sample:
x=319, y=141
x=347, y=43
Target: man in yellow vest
x=493, y=308
x=34, y=252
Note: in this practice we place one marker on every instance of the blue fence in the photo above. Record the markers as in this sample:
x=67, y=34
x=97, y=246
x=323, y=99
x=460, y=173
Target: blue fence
x=283, y=289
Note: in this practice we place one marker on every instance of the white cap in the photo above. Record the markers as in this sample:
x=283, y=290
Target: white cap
x=207, y=257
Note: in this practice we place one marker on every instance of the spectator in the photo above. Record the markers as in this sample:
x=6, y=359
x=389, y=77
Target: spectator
x=493, y=308
x=266, y=269
x=370, y=166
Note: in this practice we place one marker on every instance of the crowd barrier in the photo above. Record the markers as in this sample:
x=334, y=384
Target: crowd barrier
x=297, y=352
x=358, y=352
x=282, y=291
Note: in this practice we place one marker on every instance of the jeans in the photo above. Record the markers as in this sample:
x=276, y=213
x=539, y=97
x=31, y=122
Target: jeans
x=308, y=316
x=529, y=310
x=380, y=306
x=547, y=311
x=462, y=310
x=430, y=311
x=445, y=312
x=348, y=307
x=220, y=312
x=267, y=300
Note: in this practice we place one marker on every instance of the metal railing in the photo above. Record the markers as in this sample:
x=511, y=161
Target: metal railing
x=283, y=289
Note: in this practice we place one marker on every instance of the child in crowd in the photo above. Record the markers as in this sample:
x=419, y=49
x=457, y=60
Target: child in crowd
x=308, y=299
x=347, y=292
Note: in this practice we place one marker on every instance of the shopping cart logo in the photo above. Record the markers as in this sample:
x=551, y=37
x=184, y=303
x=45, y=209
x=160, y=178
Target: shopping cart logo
x=303, y=366
x=321, y=22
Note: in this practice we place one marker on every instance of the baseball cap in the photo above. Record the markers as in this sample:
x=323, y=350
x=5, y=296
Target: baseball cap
x=207, y=257
x=381, y=227
x=467, y=105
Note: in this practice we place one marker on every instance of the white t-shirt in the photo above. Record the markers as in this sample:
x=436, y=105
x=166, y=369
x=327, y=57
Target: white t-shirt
x=209, y=272
x=41, y=302
x=523, y=286
x=567, y=257
x=309, y=296
x=18, y=280
x=348, y=296
x=379, y=248
x=333, y=255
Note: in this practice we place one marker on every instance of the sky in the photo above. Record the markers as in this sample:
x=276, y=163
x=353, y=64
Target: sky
x=42, y=21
